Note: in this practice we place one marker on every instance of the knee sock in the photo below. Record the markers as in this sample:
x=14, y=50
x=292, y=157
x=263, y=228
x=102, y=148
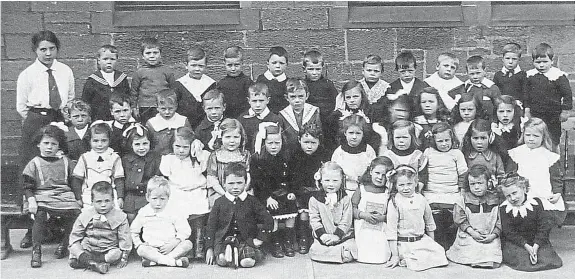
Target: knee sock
x=303, y=229
x=289, y=235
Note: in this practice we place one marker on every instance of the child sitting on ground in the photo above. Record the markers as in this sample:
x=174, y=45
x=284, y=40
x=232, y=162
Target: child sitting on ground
x=160, y=237
x=101, y=234
x=233, y=237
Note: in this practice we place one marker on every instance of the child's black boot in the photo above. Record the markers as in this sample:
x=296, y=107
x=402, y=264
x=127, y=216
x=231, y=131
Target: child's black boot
x=276, y=247
x=303, y=236
x=86, y=260
x=200, y=244
x=36, y=261
x=289, y=237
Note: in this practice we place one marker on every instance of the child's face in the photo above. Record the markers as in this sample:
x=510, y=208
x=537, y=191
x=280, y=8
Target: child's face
x=372, y=72
x=331, y=181
x=258, y=102
x=103, y=202
x=231, y=140
x=467, y=111
x=99, y=142
x=196, y=68
x=309, y=144
x=79, y=119
x=48, y=146
x=378, y=175
x=273, y=143
x=121, y=113
x=167, y=110
x=235, y=185
x=46, y=52
x=475, y=74
x=313, y=71
x=214, y=109
x=478, y=185
x=297, y=99
x=233, y=66
x=107, y=61
x=428, y=104
x=151, y=56
x=479, y=140
x=277, y=65
x=157, y=199
x=141, y=146
x=543, y=64
x=353, y=135
x=446, y=68
x=443, y=141
x=532, y=137
x=401, y=138
x=352, y=98
x=405, y=186
x=407, y=74
x=505, y=113
x=181, y=147
x=398, y=112
x=510, y=60
x=514, y=194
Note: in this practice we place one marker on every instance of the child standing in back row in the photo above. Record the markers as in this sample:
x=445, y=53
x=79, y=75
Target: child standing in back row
x=407, y=83
x=275, y=78
x=445, y=81
x=481, y=87
x=322, y=92
x=372, y=84
x=235, y=85
x=163, y=126
x=511, y=79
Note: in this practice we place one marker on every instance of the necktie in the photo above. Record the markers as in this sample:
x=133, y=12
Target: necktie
x=509, y=74
x=54, y=100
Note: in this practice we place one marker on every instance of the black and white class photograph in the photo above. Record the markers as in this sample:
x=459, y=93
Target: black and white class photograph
x=287, y=139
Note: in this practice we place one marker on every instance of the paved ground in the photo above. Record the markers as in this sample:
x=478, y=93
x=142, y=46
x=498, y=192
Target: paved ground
x=18, y=266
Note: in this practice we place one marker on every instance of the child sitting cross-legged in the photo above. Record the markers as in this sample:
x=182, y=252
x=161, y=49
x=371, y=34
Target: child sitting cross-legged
x=101, y=234
x=160, y=238
x=233, y=237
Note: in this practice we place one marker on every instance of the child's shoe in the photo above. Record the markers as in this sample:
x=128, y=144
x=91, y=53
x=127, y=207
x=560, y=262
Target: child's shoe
x=200, y=245
x=61, y=251
x=289, y=237
x=26, y=241
x=101, y=268
x=147, y=263
x=36, y=261
x=247, y=262
x=276, y=247
x=6, y=250
x=185, y=262
x=303, y=246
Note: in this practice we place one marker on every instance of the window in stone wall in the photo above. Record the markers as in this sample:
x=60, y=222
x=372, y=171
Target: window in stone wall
x=532, y=13
x=176, y=13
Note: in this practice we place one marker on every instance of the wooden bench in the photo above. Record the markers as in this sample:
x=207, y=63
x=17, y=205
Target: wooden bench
x=11, y=206
x=567, y=148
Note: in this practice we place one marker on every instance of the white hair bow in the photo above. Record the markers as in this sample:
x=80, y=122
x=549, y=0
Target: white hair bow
x=261, y=135
x=139, y=128
x=345, y=114
x=60, y=125
x=98, y=122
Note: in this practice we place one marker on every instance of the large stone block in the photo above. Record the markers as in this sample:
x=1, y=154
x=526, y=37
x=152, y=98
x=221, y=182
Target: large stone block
x=81, y=68
x=82, y=45
x=8, y=85
x=499, y=43
x=479, y=51
x=15, y=6
x=257, y=55
x=339, y=72
x=67, y=17
x=21, y=22
x=19, y=47
x=329, y=54
x=73, y=28
x=425, y=38
x=8, y=98
x=127, y=65
x=294, y=19
x=362, y=42
x=60, y=6
x=561, y=38
x=11, y=128
x=307, y=38
x=102, y=22
x=11, y=69
x=506, y=31
x=566, y=63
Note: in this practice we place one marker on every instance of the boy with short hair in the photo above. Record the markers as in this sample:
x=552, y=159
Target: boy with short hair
x=101, y=234
x=162, y=127
x=547, y=93
x=407, y=83
x=235, y=84
x=258, y=113
x=233, y=237
x=481, y=87
x=160, y=237
x=121, y=113
x=101, y=84
x=275, y=78
x=511, y=79
x=322, y=92
x=77, y=136
x=149, y=79
x=445, y=81
x=214, y=107
x=297, y=114
x=191, y=87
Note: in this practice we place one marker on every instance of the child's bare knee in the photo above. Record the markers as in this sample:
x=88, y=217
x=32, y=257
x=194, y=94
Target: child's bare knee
x=113, y=255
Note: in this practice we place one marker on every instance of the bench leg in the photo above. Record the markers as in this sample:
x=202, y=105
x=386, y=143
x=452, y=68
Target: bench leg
x=6, y=247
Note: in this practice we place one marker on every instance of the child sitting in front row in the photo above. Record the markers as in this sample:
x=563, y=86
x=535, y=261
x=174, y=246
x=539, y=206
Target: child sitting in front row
x=233, y=237
x=410, y=225
x=331, y=218
x=160, y=237
x=101, y=234
x=445, y=81
x=163, y=125
x=45, y=184
x=477, y=218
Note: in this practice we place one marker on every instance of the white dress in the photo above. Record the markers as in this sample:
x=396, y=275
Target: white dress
x=534, y=165
x=371, y=240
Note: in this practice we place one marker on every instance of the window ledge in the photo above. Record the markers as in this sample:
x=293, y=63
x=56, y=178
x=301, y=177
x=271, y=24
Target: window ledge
x=177, y=18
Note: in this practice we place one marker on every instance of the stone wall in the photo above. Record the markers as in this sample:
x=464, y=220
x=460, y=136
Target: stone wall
x=298, y=26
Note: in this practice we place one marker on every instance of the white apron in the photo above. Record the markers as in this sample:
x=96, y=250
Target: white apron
x=371, y=240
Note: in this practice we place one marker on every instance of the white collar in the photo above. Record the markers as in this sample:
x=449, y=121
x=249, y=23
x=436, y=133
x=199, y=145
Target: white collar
x=232, y=198
x=53, y=67
x=515, y=71
x=196, y=87
x=488, y=83
x=270, y=76
x=331, y=199
x=261, y=116
x=159, y=123
x=109, y=77
x=289, y=115
x=407, y=85
x=81, y=132
x=553, y=73
x=522, y=209
x=116, y=124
